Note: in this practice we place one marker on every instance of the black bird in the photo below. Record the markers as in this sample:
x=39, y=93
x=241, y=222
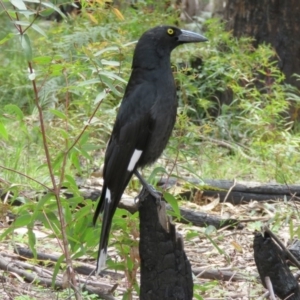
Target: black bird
x=144, y=122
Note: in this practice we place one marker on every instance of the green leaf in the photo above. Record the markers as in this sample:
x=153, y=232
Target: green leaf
x=22, y=220
x=34, y=26
x=39, y=29
x=56, y=269
x=48, y=4
x=83, y=212
x=153, y=177
x=210, y=229
x=19, y=4
x=40, y=205
x=71, y=181
x=14, y=110
x=58, y=113
x=46, y=12
x=26, y=45
x=84, y=138
x=75, y=160
x=111, y=63
x=58, y=161
x=67, y=212
x=113, y=48
x=6, y=38
x=3, y=132
x=173, y=202
x=109, y=83
x=43, y=60
x=221, y=251
x=112, y=76
x=89, y=82
x=100, y=96
x=32, y=241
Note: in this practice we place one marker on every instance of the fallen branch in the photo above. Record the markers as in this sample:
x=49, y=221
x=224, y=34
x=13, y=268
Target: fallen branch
x=238, y=191
x=81, y=268
x=189, y=216
x=34, y=277
x=84, y=269
x=219, y=274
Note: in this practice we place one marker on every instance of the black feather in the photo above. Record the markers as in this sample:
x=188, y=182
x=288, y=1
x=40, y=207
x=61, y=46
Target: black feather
x=145, y=119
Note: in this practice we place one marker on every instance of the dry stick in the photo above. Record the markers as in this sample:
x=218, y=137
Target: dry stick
x=56, y=189
x=9, y=266
x=26, y=176
x=56, y=192
x=229, y=191
x=270, y=288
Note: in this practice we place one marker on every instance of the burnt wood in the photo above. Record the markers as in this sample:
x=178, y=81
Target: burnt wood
x=236, y=192
x=165, y=270
x=270, y=261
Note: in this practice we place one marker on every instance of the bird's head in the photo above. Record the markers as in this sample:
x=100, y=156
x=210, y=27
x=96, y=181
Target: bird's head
x=162, y=40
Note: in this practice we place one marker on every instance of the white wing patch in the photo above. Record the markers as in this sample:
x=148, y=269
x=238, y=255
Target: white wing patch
x=108, y=195
x=101, y=261
x=134, y=159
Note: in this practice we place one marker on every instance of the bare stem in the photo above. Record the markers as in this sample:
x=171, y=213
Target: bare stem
x=56, y=187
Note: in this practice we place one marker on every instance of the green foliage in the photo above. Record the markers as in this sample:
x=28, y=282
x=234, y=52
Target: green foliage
x=234, y=97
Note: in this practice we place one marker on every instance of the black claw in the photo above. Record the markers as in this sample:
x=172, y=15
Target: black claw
x=150, y=190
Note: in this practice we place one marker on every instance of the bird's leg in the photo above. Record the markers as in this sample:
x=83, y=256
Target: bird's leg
x=148, y=187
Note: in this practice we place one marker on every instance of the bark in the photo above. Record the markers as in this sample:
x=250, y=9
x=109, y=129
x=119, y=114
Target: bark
x=271, y=263
x=165, y=270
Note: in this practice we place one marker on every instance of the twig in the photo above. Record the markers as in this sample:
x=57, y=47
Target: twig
x=26, y=176
x=229, y=191
x=270, y=288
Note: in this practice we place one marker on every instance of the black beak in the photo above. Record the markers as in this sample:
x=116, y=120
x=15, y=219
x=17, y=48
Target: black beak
x=191, y=37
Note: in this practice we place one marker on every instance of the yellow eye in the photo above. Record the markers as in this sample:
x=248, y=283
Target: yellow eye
x=170, y=31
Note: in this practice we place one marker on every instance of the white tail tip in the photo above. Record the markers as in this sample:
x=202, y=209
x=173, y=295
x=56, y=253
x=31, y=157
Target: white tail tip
x=101, y=261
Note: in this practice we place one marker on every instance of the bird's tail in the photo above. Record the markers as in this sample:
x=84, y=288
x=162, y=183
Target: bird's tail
x=105, y=205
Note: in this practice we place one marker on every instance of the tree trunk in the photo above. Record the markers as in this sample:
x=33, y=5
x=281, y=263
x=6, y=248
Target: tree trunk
x=270, y=21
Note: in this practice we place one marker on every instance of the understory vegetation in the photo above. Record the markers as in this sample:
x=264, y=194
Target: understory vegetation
x=237, y=119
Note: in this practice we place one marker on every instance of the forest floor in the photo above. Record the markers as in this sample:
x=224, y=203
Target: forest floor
x=223, y=259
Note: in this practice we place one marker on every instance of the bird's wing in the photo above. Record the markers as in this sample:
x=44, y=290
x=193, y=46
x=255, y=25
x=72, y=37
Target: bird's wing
x=128, y=139
x=126, y=145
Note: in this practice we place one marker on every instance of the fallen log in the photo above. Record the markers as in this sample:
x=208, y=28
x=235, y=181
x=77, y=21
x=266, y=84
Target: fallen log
x=189, y=216
x=196, y=218
x=235, y=192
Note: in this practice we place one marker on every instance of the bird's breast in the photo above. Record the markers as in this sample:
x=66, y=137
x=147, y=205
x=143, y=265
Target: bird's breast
x=163, y=116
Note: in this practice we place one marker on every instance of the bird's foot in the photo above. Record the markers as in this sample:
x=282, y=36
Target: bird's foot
x=149, y=190
x=153, y=192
